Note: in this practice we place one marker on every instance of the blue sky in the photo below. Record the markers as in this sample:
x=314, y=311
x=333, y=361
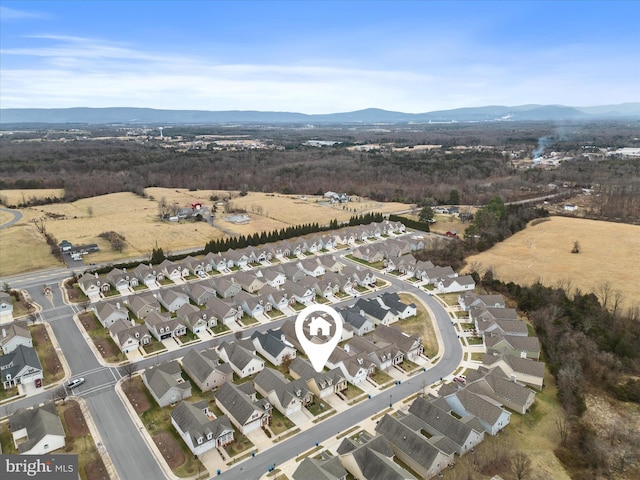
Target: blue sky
x=317, y=57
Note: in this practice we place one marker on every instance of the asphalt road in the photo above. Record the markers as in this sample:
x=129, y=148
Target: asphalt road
x=122, y=437
x=17, y=216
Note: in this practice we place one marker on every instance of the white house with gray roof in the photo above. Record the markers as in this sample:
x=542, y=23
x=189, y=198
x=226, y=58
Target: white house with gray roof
x=129, y=336
x=243, y=361
x=246, y=413
x=456, y=284
x=109, y=312
x=273, y=346
x=6, y=308
x=21, y=366
x=199, y=428
x=13, y=335
x=287, y=396
x=37, y=430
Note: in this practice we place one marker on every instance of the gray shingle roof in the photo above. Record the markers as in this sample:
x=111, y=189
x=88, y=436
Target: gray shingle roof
x=440, y=421
x=191, y=419
x=19, y=358
x=39, y=421
x=197, y=365
x=313, y=469
x=237, y=403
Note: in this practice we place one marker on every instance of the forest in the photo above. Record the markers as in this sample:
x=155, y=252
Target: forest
x=478, y=160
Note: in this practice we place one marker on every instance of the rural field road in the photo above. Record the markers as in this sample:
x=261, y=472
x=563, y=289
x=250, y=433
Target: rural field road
x=17, y=216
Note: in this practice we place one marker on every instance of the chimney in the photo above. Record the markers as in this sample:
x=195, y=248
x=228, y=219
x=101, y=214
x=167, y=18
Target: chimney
x=96, y=274
x=118, y=305
x=4, y=332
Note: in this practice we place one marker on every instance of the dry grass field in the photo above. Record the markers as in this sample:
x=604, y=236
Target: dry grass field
x=136, y=218
x=15, y=197
x=609, y=252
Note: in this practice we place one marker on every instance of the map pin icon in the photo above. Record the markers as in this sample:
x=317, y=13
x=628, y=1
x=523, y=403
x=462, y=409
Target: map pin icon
x=319, y=324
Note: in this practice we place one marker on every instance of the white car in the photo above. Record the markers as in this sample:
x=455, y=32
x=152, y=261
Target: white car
x=76, y=382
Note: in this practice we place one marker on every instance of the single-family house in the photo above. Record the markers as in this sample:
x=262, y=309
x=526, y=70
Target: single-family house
x=293, y=273
x=129, y=336
x=369, y=253
x=322, y=384
x=171, y=270
x=224, y=287
x=165, y=383
x=244, y=412
x=374, y=311
x=439, y=422
x=216, y=261
x=397, y=248
x=420, y=268
x=162, y=326
x=6, y=308
x=147, y=275
x=279, y=299
x=205, y=370
x=523, y=370
x=406, y=264
x=311, y=267
x=371, y=458
x=330, y=263
x=272, y=277
x=37, y=430
x=360, y=324
x=193, y=318
x=467, y=300
x=329, y=468
x=122, y=280
x=143, y=304
x=384, y=355
x=194, y=266
x=92, y=285
x=525, y=347
x=433, y=275
x=288, y=397
x=393, y=302
x=236, y=258
x=109, y=312
x=199, y=292
x=21, y=366
x=273, y=346
x=13, y=335
x=410, y=345
x=172, y=299
x=300, y=293
x=464, y=403
x=496, y=385
x=248, y=281
x=243, y=360
x=199, y=429
x=225, y=313
x=456, y=284
x=413, y=448
x=355, y=367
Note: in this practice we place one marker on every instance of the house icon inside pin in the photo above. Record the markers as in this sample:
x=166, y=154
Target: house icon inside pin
x=319, y=326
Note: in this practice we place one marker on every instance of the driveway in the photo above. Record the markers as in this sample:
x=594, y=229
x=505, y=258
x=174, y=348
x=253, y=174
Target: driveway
x=17, y=216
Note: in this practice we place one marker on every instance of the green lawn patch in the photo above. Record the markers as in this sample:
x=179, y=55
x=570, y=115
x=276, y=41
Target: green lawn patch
x=381, y=377
x=298, y=307
x=352, y=391
x=241, y=444
x=248, y=320
x=475, y=340
x=220, y=328
x=450, y=299
x=318, y=407
x=467, y=326
x=154, y=347
x=342, y=295
x=188, y=338
x=280, y=423
x=409, y=366
x=274, y=313
x=140, y=286
x=8, y=393
x=420, y=325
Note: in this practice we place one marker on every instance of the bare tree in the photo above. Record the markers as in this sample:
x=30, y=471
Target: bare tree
x=564, y=427
x=604, y=291
x=128, y=369
x=59, y=393
x=521, y=466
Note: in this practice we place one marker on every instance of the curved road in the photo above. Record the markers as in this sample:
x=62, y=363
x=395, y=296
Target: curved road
x=132, y=457
x=17, y=216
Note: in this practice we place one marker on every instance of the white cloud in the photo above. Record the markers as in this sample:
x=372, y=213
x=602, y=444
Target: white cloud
x=13, y=14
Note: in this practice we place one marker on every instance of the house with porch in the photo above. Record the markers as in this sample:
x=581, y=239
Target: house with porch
x=456, y=284
x=523, y=370
x=128, y=336
x=496, y=385
x=92, y=285
x=371, y=457
x=199, y=428
x=360, y=324
x=122, y=280
x=410, y=345
x=194, y=266
x=498, y=343
x=172, y=299
x=147, y=275
x=143, y=304
x=273, y=346
x=322, y=384
x=272, y=277
x=287, y=397
x=21, y=366
x=224, y=287
x=375, y=311
x=384, y=355
x=162, y=326
x=224, y=312
x=172, y=270
x=246, y=413
x=194, y=319
x=355, y=367
x=248, y=281
x=466, y=403
x=393, y=302
x=199, y=292
x=215, y=261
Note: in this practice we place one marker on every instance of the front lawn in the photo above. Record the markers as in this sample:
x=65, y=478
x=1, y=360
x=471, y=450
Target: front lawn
x=280, y=423
x=352, y=392
x=241, y=444
x=381, y=377
x=52, y=368
x=420, y=325
x=154, y=347
x=220, y=328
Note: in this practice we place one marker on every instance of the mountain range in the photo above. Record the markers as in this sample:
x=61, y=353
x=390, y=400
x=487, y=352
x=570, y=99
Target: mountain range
x=145, y=116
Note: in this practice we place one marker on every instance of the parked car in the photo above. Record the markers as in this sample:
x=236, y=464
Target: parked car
x=75, y=382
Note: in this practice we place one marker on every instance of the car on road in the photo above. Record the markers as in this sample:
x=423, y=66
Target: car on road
x=75, y=382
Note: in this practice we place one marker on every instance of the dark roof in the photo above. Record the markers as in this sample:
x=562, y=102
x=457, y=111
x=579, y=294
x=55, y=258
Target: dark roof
x=314, y=469
x=11, y=363
x=441, y=421
x=236, y=402
x=192, y=420
x=39, y=421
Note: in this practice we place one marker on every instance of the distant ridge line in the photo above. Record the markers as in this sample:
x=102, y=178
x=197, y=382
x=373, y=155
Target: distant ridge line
x=146, y=116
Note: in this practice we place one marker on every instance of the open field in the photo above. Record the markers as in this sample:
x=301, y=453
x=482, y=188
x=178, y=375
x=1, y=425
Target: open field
x=609, y=252
x=16, y=197
x=23, y=248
